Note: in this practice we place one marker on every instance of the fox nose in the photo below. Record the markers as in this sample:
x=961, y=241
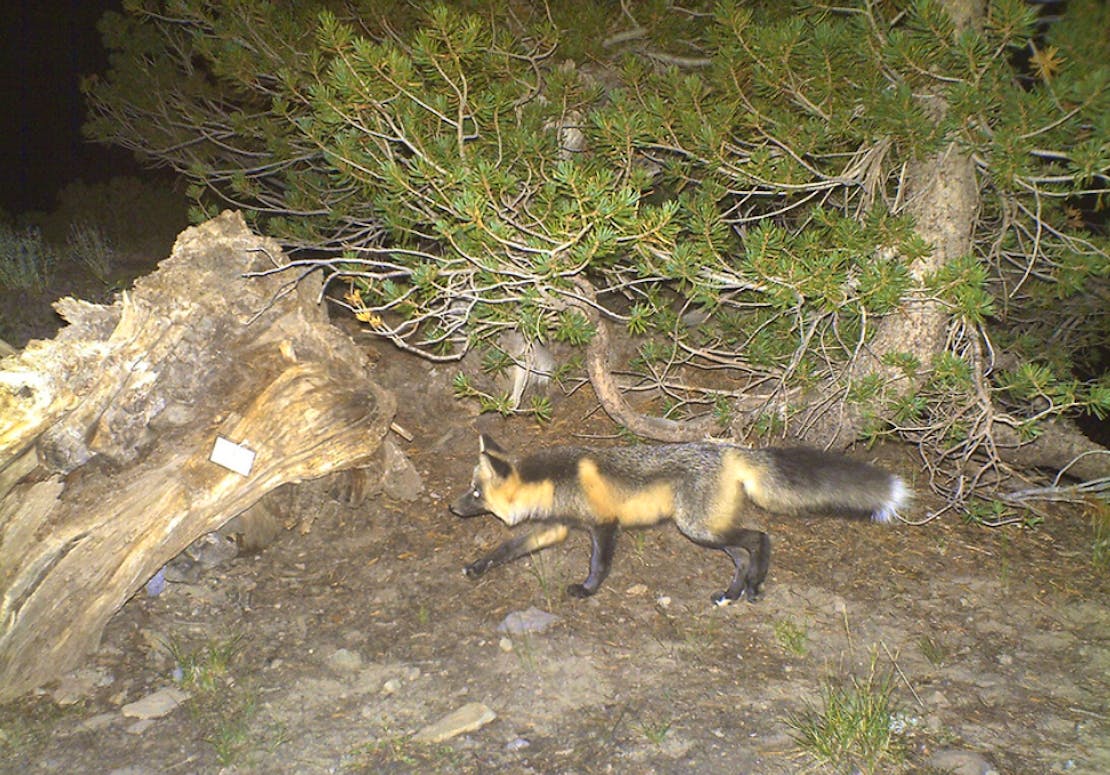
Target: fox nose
x=467, y=506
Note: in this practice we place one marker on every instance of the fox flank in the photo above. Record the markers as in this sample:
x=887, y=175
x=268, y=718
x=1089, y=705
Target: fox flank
x=719, y=496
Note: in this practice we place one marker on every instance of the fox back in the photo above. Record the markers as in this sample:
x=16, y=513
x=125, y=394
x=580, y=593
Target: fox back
x=646, y=484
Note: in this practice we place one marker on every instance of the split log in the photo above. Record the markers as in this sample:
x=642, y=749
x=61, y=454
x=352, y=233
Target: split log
x=106, y=433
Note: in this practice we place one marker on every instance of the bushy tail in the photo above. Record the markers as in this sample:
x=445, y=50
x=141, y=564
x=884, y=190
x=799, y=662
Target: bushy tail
x=800, y=479
x=898, y=498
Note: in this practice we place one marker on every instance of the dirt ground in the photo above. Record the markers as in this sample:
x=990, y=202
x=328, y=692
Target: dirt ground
x=325, y=652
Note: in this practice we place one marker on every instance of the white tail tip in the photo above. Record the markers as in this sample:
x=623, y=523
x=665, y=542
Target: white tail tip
x=899, y=497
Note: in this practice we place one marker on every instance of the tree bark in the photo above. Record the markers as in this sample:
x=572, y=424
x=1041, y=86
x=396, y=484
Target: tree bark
x=106, y=433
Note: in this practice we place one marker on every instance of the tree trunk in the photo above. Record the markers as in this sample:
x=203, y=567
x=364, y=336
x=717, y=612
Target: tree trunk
x=106, y=433
x=942, y=195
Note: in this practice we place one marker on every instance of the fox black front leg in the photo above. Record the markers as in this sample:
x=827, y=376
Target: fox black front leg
x=603, y=542
x=504, y=553
x=478, y=567
x=516, y=547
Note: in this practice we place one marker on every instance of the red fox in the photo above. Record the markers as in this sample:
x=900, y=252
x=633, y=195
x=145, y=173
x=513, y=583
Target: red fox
x=718, y=495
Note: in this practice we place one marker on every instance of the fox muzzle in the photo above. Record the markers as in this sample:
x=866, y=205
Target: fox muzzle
x=469, y=504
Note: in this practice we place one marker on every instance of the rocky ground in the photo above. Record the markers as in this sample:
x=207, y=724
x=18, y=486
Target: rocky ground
x=361, y=647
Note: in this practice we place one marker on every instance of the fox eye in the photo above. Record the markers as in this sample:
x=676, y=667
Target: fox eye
x=477, y=492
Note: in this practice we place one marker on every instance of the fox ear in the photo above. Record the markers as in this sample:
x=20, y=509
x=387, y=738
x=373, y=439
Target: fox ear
x=493, y=458
x=487, y=444
x=494, y=468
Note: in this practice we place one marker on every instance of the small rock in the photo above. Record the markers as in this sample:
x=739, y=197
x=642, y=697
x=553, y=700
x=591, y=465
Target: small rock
x=961, y=763
x=79, y=684
x=182, y=570
x=140, y=726
x=345, y=661
x=939, y=699
x=505, y=644
x=156, y=705
x=530, y=620
x=157, y=583
x=213, y=549
x=472, y=716
x=400, y=479
x=392, y=686
x=517, y=744
x=637, y=589
x=98, y=722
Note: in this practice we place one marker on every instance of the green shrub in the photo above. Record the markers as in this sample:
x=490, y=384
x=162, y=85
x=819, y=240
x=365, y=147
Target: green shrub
x=26, y=262
x=89, y=245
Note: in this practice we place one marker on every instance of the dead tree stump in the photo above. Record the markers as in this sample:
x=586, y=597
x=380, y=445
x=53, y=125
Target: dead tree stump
x=106, y=433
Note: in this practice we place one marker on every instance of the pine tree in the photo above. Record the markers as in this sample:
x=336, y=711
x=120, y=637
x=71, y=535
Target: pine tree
x=828, y=223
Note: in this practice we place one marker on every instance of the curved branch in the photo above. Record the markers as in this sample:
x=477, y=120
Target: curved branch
x=609, y=393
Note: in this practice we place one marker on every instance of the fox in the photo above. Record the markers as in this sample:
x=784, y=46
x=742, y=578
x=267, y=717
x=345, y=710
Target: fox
x=718, y=495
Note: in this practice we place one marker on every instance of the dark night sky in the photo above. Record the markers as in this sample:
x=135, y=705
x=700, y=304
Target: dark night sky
x=47, y=47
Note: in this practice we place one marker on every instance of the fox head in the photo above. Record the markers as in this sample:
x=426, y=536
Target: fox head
x=494, y=471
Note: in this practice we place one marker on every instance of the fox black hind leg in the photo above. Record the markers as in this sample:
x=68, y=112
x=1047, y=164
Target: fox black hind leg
x=603, y=542
x=519, y=546
x=750, y=552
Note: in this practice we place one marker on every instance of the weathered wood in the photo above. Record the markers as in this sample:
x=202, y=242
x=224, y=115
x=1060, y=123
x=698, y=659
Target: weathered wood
x=106, y=432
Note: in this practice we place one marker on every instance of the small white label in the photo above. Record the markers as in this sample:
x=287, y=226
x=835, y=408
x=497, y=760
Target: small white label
x=232, y=456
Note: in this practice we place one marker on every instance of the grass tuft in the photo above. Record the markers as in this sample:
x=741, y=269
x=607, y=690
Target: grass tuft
x=791, y=636
x=89, y=245
x=854, y=727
